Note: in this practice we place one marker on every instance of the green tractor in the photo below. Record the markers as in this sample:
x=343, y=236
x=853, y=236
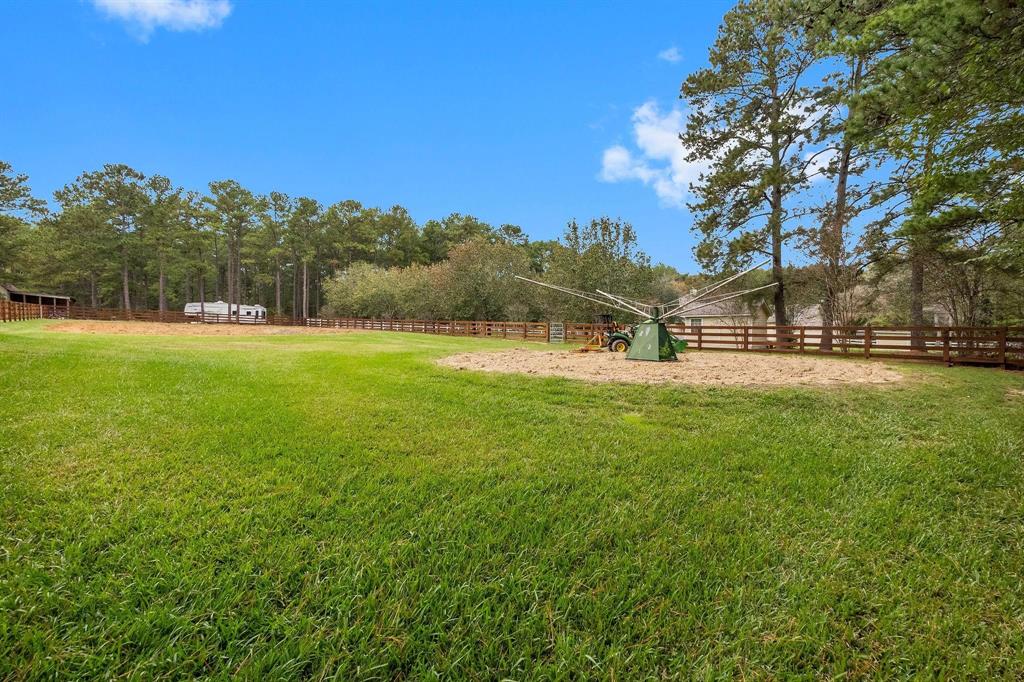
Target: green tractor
x=650, y=339
x=620, y=340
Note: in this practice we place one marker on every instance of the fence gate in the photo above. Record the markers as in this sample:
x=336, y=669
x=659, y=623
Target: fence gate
x=556, y=332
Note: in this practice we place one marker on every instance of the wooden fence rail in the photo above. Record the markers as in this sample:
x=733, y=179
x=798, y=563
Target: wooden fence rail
x=1003, y=346
x=16, y=312
x=953, y=345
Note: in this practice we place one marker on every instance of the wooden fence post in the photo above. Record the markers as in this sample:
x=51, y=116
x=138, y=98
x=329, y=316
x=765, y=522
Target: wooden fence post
x=867, y=341
x=803, y=336
x=1002, y=346
x=945, y=345
x=700, y=339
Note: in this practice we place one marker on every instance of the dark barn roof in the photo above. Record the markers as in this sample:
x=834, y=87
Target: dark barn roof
x=19, y=296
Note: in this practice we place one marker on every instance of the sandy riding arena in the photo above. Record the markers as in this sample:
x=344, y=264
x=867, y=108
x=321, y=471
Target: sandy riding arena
x=184, y=329
x=701, y=368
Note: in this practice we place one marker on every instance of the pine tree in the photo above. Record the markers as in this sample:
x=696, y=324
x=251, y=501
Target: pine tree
x=751, y=113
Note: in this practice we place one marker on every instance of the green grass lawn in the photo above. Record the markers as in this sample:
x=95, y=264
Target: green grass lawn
x=338, y=506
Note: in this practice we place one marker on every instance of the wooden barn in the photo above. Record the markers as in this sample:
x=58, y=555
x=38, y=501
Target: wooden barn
x=55, y=304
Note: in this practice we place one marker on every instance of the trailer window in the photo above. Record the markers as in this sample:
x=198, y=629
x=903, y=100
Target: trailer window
x=696, y=321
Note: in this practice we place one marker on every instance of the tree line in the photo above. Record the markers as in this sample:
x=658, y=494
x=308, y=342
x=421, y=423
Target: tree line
x=879, y=137
x=122, y=239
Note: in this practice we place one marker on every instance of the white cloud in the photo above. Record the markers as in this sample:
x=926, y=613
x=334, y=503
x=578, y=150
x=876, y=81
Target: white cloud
x=145, y=16
x=818, y=162
x=660, y=158
x=671, y=55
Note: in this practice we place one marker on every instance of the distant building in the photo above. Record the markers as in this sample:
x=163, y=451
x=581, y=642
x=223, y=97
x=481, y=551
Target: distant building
x=732, y=313
x=934, y=316
x=13, y=294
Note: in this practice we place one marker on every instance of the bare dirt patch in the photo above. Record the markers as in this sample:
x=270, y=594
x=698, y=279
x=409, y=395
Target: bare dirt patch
x=183, y=329
x=694, y=367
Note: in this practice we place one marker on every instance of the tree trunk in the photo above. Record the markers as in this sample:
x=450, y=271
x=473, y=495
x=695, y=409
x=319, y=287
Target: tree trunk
x=125, y=285
x=305, y=289
x=775, y=223
x=202, y=297
x=231, y=283
x=834, y=237
x=216, y=268
x=917, y=254
x=277, y=286
x=162, y=303
x=295, y=286
x=833, y=246
x=775, y=219
x=828, y=318
x=316, y=284
x=916, y=288
x=916, y=294
x=238, y=276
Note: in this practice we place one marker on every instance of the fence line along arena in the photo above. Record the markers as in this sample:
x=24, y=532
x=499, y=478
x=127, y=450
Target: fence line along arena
x=988, y=346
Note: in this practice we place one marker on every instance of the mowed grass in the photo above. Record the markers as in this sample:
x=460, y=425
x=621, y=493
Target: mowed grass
x=340, y=507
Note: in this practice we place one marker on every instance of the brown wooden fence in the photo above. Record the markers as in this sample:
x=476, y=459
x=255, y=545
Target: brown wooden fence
x=15, y=312
x=1003, y=346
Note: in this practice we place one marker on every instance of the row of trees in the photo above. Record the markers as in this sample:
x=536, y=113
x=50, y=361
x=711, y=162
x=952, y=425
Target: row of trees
x=120, y=238
x=177, y=246
x=908, y=112
x=123, y=239
x=478, y=279
x=880, y=138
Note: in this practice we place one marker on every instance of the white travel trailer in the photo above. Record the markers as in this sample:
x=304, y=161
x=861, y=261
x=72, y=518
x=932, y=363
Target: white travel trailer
x=219, y=311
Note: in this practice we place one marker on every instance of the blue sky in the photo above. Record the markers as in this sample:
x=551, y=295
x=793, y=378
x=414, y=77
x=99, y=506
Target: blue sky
x=526, y=113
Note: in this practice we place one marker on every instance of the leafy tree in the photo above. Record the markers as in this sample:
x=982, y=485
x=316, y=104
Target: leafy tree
x=305, y=229
x=365, y=290
x=233, y=212
x=117, y=195
x=848, y=156
x=951, y=130
x=17, y=206
x=162, y=229
x=196, y=243
x=349, y=233
x=477, y=282
x=541, y=254
x=396, y=238
x=439, y=236
x=751, y=114
x=601, y=254
x=15, y=195
x=512, y=234
x=70, y=250
x=273, y=238
x=952, y=81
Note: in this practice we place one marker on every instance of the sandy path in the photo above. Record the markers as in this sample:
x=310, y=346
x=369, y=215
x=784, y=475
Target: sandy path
x=183, y=329
x=708, y=368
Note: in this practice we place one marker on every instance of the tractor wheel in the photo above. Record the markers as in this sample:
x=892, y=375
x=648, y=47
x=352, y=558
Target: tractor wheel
x=618, y=346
